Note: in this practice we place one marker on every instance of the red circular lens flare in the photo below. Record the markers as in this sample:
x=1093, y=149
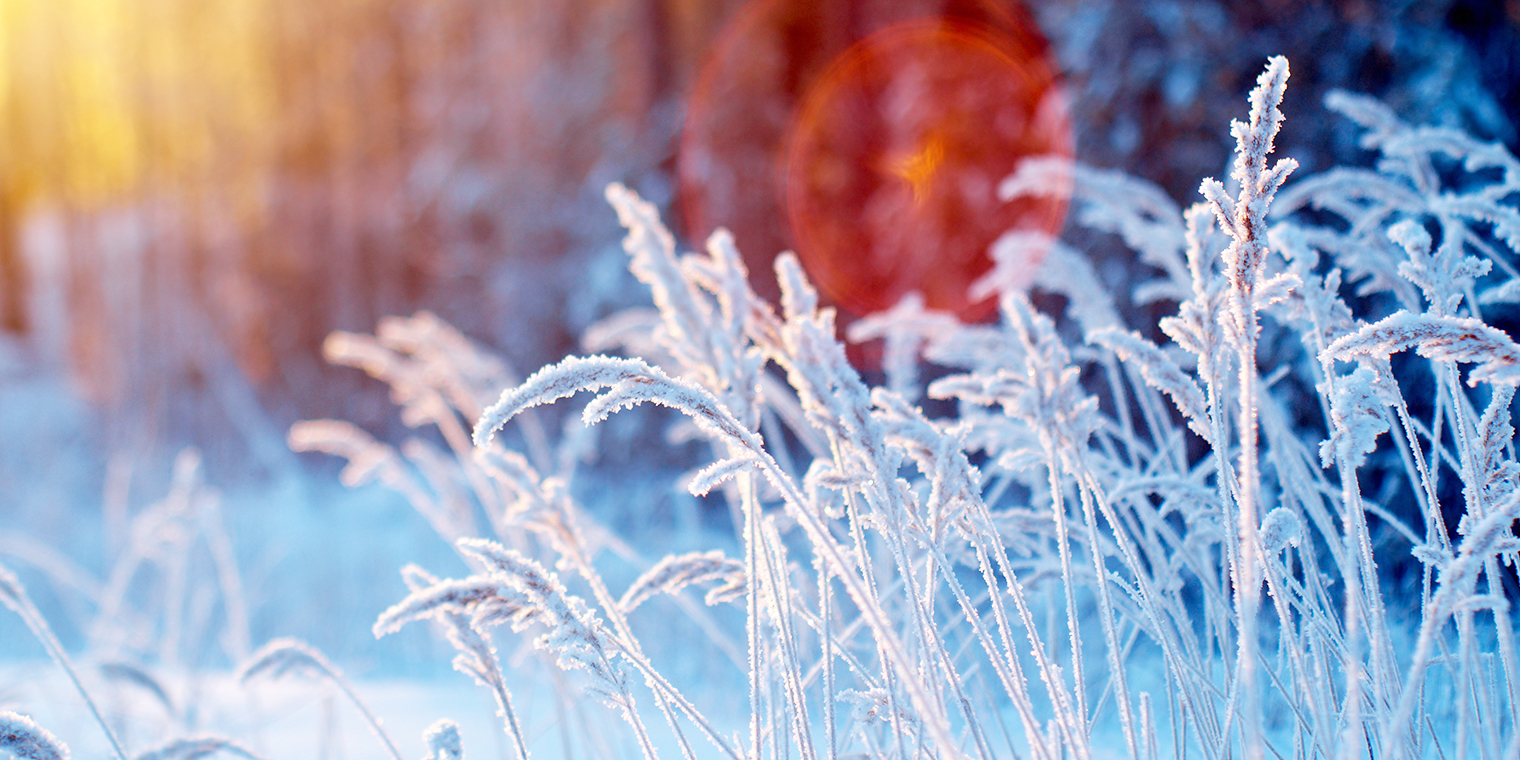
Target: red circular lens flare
x=870, y=136
x=895, y=159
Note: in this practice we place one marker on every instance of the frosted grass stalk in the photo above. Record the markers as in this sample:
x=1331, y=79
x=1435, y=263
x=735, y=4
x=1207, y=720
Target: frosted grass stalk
x=1244, y=219
x=825, y=641
x=477, y=658
x=1069, y=586
x=751, y=509
x=1011, y=678
x=773, y=557
x=574, y=548
x=1105, y=605
x=14, y=595
x=1066, y=721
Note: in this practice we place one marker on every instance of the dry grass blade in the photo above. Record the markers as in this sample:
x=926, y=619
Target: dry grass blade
x=629, y=382
x=1160, y=372
x=129, y=673
x=195, y=747
x=488, y=600
x=287, y=656
x=674, y=573
x=368, y=459
x=284, y=657
x=1439, y=338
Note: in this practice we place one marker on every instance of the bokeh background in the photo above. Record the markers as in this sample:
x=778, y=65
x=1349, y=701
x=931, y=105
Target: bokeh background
x=193, y=194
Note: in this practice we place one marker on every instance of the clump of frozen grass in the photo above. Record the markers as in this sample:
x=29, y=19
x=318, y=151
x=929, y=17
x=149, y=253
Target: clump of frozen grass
x=477, y=657
x=443, y=743
x=25, y=740
x=1073, y=563
x=517, y=591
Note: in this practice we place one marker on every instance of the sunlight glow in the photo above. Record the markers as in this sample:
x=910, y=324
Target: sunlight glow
x=918, y=168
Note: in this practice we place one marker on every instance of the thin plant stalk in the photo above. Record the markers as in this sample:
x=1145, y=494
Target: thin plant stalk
x=14, y=595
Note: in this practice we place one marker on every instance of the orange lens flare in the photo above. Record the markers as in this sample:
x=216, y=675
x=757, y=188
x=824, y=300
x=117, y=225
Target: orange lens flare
x=870, y=137
x=918, y=168
x=948, y=113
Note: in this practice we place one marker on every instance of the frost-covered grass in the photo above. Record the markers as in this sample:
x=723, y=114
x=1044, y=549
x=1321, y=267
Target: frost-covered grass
x=1126, y=540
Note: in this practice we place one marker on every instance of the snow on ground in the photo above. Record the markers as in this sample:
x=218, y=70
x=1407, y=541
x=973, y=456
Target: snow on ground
x=284, y=719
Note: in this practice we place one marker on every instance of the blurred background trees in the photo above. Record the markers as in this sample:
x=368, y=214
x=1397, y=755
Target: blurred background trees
x=193, y=194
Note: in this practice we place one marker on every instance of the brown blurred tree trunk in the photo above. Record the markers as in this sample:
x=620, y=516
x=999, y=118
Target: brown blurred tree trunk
x=13, y=279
